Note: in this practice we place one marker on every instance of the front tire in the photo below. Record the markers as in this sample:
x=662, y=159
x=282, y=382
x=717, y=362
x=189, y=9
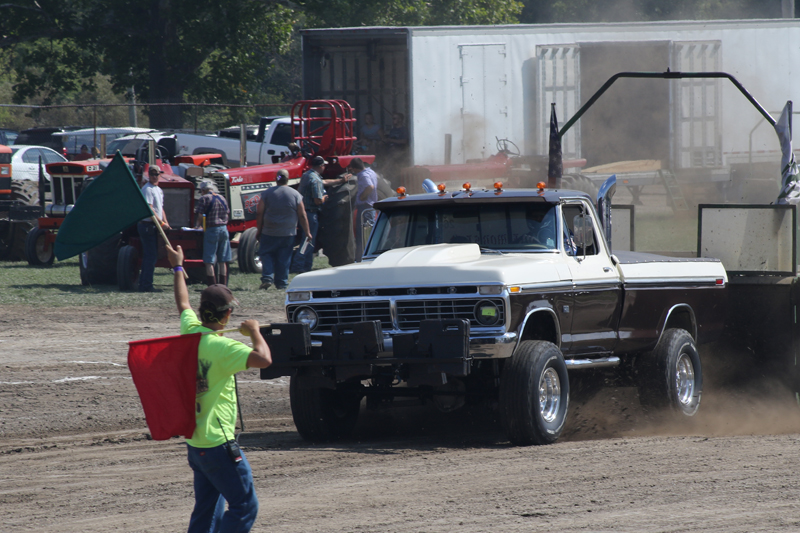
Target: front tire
x=249, y=261
x=321, y=414
x=37, y=250
x=534, y=394
x=127, y=268
x=673, y=376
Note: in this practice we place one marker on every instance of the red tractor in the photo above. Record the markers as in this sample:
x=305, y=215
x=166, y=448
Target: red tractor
x=319, y=127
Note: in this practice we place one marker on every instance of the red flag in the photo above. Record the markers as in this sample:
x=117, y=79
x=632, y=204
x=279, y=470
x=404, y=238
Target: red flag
x=165, y=373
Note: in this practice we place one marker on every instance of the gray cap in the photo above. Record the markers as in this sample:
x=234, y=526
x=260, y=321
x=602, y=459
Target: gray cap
x=283, y=175
x=208, y=185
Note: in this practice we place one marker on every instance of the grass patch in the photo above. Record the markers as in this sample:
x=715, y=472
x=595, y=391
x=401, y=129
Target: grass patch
x=60, y=286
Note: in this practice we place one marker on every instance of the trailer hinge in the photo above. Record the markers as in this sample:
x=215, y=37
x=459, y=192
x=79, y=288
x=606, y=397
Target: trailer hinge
x=463, y=80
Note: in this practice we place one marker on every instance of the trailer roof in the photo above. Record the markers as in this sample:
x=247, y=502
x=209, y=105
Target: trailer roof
x=403, y=31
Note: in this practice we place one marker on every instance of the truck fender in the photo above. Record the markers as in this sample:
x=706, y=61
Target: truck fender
x=540, y=323
x=679, y=316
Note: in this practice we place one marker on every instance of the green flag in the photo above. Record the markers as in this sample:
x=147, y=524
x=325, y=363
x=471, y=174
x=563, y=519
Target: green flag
x=111, y=203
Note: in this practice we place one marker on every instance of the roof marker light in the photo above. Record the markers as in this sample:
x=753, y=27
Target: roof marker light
x=498, y=187
x=541, y=186
x=401, y=192
x=467, y=186
x=441, y=187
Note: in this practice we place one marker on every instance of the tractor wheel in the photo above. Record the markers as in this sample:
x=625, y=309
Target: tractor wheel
x=83, y=268
x=580, y=183
x=14, y=232
x=534, y=394
x=249, y=261
x=38, y=252
x=127, y=268
x=322, y=414
x=100, y=263
x=672, y=376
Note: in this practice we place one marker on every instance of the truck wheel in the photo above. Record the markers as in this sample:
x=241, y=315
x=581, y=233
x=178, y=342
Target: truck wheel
x=37, y=251
x=249, y=261
x=321, y=414
x=534, y=394
x=673, y=377
x=127, y=268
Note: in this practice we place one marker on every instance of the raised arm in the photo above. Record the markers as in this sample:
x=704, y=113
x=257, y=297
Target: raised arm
x=179, y=283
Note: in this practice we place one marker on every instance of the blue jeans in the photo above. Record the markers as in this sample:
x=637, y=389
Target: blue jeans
x=147, y=233
x=216, y=245
x=275, y=254
x=218, y=479
x=304, y=262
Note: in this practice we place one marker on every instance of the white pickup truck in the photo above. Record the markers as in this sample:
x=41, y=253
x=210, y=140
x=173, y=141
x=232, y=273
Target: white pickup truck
x=270, y=144
x=498, y=295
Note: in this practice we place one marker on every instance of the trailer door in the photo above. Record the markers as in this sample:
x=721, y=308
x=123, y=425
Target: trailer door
x=484, y=109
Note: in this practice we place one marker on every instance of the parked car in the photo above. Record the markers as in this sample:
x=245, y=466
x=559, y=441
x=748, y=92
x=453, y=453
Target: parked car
x=25, y=160
x=72, y=141
x=7, y=137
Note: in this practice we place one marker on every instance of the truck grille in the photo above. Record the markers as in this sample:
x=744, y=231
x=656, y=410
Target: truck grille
x=411, y=312
x=347, y=312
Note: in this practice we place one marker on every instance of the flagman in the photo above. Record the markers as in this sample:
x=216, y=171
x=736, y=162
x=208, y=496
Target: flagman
x=221, y=471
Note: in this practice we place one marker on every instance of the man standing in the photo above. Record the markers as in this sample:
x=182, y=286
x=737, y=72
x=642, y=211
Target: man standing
x=312, y=188
x=221, y=471
x=279, y=210
x=366, y=195
x=216, y=240
x=147, y=228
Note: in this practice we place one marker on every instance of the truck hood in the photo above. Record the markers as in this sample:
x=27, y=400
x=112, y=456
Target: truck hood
x=438, y=264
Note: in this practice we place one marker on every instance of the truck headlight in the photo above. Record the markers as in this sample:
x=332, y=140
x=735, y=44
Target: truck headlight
x=487, y=313
x=490, y=289
x=299, y=296
x=306, y=315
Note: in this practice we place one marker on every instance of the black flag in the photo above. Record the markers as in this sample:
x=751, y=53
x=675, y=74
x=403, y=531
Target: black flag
x=556, y=168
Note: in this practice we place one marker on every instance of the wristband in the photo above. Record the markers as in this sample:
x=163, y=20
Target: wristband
x=177, y=269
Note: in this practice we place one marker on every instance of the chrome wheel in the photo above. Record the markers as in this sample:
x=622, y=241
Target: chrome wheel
x=684, y=379
x=549, y=394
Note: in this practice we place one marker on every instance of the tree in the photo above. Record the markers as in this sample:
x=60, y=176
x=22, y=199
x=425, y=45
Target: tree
x=167, y=49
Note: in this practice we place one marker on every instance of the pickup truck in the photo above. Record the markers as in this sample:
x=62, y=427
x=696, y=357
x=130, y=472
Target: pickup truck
x=499, y=295
x=270, y=144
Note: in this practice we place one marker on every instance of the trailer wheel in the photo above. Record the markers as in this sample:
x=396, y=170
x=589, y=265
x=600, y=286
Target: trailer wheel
x=37, y=251
x=673, y=376
x=127, y=268
x=534, y=394
x=249, y=261
x=322, y=414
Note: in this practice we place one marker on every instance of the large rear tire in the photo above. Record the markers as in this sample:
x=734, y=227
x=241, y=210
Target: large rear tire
x=249, y=261
x=321, y=414
x=38, y=252
x=100, y=263
x=534, y=394
x=578, y=182
x=127, y=268
x=672, y=377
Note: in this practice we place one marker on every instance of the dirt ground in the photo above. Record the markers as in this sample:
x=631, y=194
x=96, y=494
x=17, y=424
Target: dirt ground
x=75, y=453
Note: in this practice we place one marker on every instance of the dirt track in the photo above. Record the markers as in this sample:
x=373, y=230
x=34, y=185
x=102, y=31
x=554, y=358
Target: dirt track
x=75, y=455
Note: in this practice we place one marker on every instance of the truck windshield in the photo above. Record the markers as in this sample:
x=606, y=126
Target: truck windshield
x=507, y=227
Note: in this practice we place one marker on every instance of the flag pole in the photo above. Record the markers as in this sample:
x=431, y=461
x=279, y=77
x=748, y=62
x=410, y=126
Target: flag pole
x=164, y=235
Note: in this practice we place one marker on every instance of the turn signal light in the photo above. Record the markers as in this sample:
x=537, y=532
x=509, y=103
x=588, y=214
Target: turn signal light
x=441, y=187
x=401, y=191
x=720, y=281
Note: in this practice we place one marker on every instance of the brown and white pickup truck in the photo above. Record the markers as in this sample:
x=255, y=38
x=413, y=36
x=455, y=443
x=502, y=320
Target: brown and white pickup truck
x=497, y=295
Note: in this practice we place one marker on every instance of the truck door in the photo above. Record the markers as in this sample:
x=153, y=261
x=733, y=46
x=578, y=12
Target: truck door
x=276, y=142
x=597, y=287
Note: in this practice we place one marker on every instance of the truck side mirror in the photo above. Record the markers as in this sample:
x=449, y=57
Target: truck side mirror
x=584, y=234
